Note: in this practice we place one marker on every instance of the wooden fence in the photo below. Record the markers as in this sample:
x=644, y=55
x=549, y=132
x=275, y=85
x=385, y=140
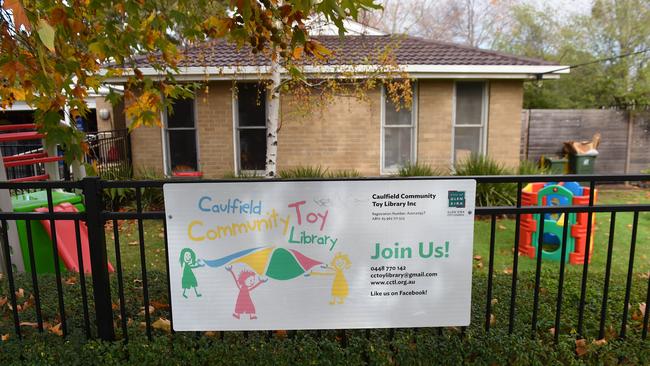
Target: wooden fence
x=625, y=144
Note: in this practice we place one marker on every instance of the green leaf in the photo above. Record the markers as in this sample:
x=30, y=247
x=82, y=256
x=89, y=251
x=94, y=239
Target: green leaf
x=46, y=34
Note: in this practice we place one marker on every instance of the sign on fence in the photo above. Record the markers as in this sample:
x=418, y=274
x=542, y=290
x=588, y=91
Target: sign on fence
x=320, y=255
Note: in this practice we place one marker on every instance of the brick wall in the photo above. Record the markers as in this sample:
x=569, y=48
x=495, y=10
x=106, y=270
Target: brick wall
x=215, y=130
x=504, y=124
x=146, y=149
x=434, y=127
x=344, y=134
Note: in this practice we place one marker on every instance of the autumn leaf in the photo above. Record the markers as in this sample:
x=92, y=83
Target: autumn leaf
x=46, y=34
x=501, y=227
x=507, y=271
x=162, y=324
x=493, y=320
x=297, y=53
x=494, y=302
x=134, y=242
x=552, y=331
x=29, y=324
x=3, y=301
x=20, y=293
x=581, y=347
x=477, y=257
x=71, y=280
x=57, y=330
x=281, y=333
x=599, y=342
x=159, y=305
x=20, y=18
x=4, y=337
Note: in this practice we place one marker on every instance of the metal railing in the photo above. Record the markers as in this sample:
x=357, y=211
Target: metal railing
x=110, y=153
x=101, y=308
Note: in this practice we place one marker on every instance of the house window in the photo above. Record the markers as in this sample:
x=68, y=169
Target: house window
x=470, y=120
x=251, y=126
x=180, y=128
x=398, y=133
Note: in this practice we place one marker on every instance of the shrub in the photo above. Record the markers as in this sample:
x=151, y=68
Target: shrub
x=302, y=172
x=418, y=170
x=488, y=194
x=527, y=167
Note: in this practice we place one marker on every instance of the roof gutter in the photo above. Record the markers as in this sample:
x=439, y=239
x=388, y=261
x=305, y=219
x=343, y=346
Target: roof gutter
x=360, y=71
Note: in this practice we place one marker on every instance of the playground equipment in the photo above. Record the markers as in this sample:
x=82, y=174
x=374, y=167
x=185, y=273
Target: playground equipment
x=40, y=233
x=556, y=194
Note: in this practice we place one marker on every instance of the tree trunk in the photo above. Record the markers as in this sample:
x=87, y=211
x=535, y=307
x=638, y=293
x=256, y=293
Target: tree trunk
x=273, y=120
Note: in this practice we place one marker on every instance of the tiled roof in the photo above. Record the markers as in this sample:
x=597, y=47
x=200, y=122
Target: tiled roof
x=358, y=50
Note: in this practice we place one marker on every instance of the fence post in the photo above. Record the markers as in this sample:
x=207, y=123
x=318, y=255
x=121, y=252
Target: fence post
x=98, y=258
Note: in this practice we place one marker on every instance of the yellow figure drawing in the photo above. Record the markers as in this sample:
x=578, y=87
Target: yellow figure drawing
x=340, y=288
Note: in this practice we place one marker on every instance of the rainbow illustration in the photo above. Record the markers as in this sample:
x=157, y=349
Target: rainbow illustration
x=276, y=263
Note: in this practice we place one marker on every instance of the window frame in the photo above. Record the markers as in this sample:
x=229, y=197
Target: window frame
x=413, y=126
x=236, y=128
x=484, y=118
x=166, y=129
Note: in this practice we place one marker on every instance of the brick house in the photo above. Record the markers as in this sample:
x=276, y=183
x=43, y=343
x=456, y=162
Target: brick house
x=465, y=100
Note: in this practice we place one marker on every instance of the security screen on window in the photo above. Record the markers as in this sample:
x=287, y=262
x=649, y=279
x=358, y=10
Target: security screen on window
x=469, y=124
x=251, y=126
x=181, y=136
x=398, y=135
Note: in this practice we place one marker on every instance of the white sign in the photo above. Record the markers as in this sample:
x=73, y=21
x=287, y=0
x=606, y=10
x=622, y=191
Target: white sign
x=256, y=255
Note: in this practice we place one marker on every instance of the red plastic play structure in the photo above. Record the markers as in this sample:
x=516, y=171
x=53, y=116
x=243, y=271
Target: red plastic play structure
x=556, y=194
x=66, y=239
x=66, y=236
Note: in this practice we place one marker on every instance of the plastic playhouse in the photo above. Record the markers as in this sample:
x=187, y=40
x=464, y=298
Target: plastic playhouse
x=556, y=194
x=40, y=232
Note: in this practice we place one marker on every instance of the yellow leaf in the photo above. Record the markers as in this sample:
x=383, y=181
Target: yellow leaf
x=600, y=342
x=162, y=324
x=5, y=337
x=151, y=310
x=493, y=320
x=297, y=53
x=46, y=34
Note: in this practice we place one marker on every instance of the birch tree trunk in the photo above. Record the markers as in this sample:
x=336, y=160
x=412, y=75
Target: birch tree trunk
x=273, y=120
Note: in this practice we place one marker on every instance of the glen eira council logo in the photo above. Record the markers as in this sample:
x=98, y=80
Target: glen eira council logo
x=456, y=199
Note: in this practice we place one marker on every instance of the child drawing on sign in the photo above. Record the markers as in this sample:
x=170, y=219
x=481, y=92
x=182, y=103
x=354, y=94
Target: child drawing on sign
x=340, y=288
x=246, y=282
x=188, y=263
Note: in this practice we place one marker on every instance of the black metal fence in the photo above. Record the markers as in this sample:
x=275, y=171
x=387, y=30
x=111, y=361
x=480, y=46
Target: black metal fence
x=106, y=312
x=110, y=153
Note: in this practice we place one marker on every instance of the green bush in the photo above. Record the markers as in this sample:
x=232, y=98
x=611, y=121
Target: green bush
x=527, y=167
x=488, y=194
x=302, y=172
x=305, y=172
x=418, y=170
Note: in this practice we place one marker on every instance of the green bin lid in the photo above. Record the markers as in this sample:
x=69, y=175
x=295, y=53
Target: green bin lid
x=28, y=202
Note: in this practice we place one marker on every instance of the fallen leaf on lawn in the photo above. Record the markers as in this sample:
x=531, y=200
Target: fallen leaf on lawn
x=20, y=293
x=552, y=331
x=71, y=280
x=57, y=330
x=493, y=320
x=5, y=337
x=642, y=308
x=600, y=342
x=281, y=333
x=151, y=310
x=501, y=227
x=3, y=301
x=479, y=265
x=129, y=321
x=508, y=271
x=210, y=334
x=137, y=283
x=494, y=301
x=477, y=257
x=161, y=235
x=629, y=226
x=134, y=242
x=581, y=347
x=29, y=324
x=160, y=305
x=162, y=324
x=115, y=306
